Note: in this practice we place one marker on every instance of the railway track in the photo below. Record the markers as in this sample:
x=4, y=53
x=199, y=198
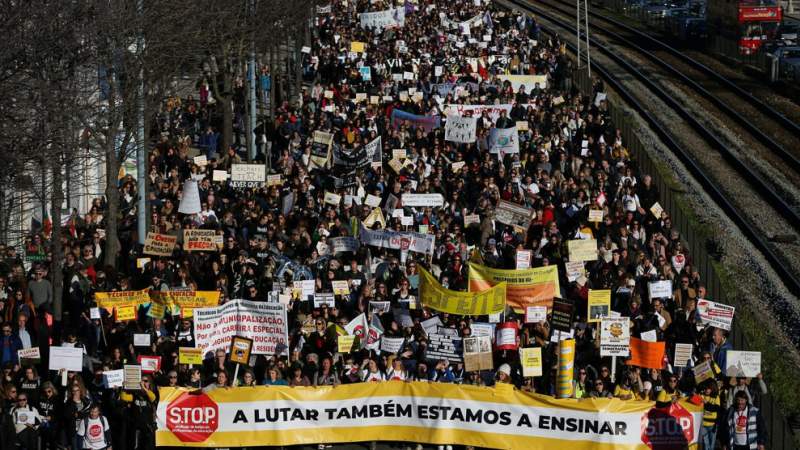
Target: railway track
x=777, y=255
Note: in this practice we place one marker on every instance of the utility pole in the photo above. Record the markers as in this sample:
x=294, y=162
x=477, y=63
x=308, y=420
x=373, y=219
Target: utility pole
x=141, y=155
x=582, y=9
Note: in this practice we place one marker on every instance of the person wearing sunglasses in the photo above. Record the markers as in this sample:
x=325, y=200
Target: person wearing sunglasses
x=26, y=421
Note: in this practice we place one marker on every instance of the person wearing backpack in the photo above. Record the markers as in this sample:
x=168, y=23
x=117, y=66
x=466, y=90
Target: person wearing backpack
x=94, y=431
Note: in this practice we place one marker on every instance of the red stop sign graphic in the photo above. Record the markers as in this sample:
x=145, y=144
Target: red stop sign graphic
x=192, y=418
x=668, y=428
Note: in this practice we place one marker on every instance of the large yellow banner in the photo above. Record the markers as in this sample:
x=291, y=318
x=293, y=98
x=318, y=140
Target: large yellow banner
x=186, y=301
x=117, y=299
x=416, y=412
x=526, y=287
x=434, y=296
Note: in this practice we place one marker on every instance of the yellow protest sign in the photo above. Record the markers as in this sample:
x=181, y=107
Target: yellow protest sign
x=111, y=300
x=582, y=250
x=188, y=355
x=375, y=216
x=156, y=310
x=340, y=287
x=126, y=313
x=345, y=343
x=357, y=47
x=531, y=360
x=599, y=304
x=434, y=296
x=525, y=287
x=186, y=300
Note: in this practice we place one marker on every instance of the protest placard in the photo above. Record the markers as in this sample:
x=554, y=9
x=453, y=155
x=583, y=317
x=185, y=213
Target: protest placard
x=149, y=364
x=742, y=364
x=470, y=219
x=113, y=378
x=523, y=259
x=595, y=215
x=649, y=336
x=525, y=287
x=574, y=270
x=615, y=336
x=159, y=244
x=324, y=298
x=443, y=346
x=660, y=289
x=522, y=125
x=132, y=377
x=191, y=356
x=345, y=343
x=141, y=340
x=263, y=322
x=563, y=312
x=372, y=200
x=248, y=175
x=645, y=354
x=683, y=354
x=599, y=304
x=503, y=141
x=125, y=313
x=340, y=287
x=582, y=249
x=478, y=353
x=513, y=214
x=506, y=336
x=423, y=200
x=535, y=314
x=460, y=129
x=28, y=353
x=241, y=347
x=219, y=176
x=391, y=345
x=68, y=358
x=195, y=240
x=531, y=361
x=703, y=371
x=715, y=314
x=656, y=210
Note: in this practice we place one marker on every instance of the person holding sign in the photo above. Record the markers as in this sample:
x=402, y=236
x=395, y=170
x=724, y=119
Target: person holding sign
x=26, y=421
x=142, y=406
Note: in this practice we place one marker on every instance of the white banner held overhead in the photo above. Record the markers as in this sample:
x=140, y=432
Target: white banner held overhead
x=264, y=323
x=248, y=175
x=660, y=289
x=343, y=244
x=395, y=17
x=415, y=242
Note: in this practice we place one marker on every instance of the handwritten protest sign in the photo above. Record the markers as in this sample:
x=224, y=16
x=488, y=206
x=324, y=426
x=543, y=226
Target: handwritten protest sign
x=159, y=244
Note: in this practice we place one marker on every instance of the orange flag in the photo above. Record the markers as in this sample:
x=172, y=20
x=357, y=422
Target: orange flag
x=646, y=354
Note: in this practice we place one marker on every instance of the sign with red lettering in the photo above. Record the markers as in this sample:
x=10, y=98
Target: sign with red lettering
x=201, y=240
x=192, y=417
x=159, y=244
x=671, y=427
x=264, y=323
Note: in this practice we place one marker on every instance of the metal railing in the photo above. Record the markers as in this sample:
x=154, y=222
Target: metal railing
x=781, y=435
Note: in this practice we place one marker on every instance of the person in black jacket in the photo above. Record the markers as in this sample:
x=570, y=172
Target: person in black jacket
x=49, y=405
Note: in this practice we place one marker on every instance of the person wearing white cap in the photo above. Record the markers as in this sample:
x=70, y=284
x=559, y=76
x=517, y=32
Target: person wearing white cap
x=504, y=374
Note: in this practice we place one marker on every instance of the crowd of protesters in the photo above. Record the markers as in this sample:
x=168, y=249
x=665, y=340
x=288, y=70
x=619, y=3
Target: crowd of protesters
x=553, y=174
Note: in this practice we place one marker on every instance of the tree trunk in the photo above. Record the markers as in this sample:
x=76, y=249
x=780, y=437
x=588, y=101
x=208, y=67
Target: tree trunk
x=112, y=201
x=273, y=49
x=56, y=249
x=227, y=119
